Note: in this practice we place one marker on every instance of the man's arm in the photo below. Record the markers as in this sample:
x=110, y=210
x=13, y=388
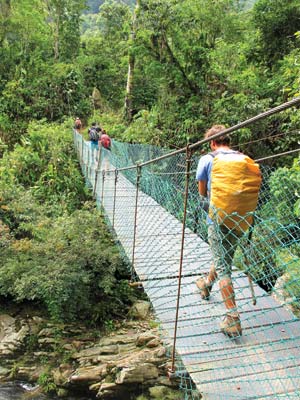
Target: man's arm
x=202, y=188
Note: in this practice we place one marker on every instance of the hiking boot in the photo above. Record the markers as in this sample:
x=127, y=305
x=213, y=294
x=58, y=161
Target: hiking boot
x=231, y=325
x=204, y=288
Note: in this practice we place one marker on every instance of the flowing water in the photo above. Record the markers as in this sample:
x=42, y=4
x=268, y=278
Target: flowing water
x=24, y=391
x=20, y=391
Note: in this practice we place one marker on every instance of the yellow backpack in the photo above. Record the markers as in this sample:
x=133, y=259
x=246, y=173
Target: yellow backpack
x=235, y=183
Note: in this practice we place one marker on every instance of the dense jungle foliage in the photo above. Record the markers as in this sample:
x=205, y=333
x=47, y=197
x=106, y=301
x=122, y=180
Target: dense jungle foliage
x=55, y=247
x=150, y=71
x=192, y=63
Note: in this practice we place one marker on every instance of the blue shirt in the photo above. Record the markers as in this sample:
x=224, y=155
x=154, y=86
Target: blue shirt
x=204, y=170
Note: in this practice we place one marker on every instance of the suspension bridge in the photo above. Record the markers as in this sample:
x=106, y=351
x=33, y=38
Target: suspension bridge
x=150, y=200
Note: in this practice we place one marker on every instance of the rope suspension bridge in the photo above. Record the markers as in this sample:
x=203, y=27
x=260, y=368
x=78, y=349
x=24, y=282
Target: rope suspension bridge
x=150, y=200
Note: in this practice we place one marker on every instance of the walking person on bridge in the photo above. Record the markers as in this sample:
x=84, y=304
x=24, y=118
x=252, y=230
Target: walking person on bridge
x=105, y=140
x=94, y=135
x=77, y=124
x=218, y=174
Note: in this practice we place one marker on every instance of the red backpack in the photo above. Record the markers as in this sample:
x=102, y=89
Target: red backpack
x=105, y=141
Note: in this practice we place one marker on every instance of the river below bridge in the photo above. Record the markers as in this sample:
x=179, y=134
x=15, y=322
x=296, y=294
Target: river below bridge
x=21, y=391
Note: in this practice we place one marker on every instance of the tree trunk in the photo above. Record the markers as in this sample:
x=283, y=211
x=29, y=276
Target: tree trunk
x=5, y=9
x=56, y=40
x=128, y=106
x=54, y=12
x=193, y=88
x=129, y=88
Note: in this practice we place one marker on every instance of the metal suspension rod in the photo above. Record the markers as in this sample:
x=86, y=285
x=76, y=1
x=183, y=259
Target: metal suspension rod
x=277, y=155
x=115, y=192
x=249, y=121
x=81, y=149
x=79, y=145
x=138, y=178
x=187, y=172
x=75, y=133
x=83, y=162
x=102, y=191
x=234, y=128
x=97, y=169
x=87, y=167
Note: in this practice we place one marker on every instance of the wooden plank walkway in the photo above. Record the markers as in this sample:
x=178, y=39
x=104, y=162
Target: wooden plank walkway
x=262, y=364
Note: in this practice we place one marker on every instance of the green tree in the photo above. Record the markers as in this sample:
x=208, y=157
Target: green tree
x=105, y=47
x=64, y=17
x=32, y=84
x=277, y=22
x=131, y=63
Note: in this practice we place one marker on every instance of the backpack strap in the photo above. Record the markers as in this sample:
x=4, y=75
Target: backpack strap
x=216, y=152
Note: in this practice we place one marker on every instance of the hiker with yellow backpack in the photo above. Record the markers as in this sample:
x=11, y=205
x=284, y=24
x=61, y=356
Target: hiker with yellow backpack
x=230, y=180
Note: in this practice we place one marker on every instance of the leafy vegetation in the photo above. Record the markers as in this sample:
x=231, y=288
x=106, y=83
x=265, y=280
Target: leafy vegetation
x=55, y=248
x=192, y=63
x=46, y=382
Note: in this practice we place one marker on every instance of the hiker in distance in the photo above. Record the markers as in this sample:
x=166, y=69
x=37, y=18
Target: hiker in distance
x=77, y=124
x=105, y=140
x=230, y=181
x=94, y=133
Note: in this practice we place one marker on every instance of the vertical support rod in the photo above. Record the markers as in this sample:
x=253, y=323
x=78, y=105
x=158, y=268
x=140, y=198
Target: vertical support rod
x=87, y=166
x=82, y=144
x=102, y=191
x=115, y=192
x=187, y=174
x=97, y=169
x=75, y=140
x=138, y=178
x=78, y=142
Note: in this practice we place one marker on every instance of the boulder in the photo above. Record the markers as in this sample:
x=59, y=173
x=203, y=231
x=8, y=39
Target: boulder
x=139, y=373
x=12, y=335
x=163, y=392
x=140, y=310
x=144, y=338
x=61, y=375
x=89, y=374
x=107, y=390
x=4, y=372
x=97, y=99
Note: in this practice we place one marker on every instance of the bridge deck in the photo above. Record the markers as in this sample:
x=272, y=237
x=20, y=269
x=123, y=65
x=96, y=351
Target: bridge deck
x=263, y=363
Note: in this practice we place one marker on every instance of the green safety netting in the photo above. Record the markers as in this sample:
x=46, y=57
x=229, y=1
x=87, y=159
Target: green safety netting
x=144, y=205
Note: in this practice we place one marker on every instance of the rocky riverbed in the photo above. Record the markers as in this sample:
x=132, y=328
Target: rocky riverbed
x=70, y=359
